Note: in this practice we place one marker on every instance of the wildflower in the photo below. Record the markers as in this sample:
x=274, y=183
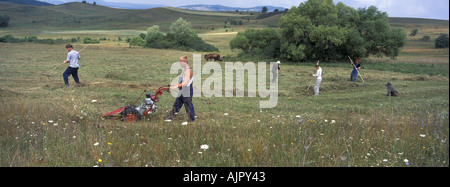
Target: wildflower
x=96, y=143
x=50, y=121
x=298, y=116
x=204, y=147
x=385, y=160
x=332, y=121
x=423, y=135
x=56, y=124
x=94, y=101
x=109, y=143
x=43, y=123
x=100, y=160
x=225, y=114
x=326, y=121
x=184, y=123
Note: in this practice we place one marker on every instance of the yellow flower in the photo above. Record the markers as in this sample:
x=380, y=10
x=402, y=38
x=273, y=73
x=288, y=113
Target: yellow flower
x=43, y=123
x=109, y=152
x=100, y=160
x=109, y=143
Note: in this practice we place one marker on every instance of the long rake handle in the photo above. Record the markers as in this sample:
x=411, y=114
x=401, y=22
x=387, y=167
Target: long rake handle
x=55, y=68
x=356, y=69
x=63, y=62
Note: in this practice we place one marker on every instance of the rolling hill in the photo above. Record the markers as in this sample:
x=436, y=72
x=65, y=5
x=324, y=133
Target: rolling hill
x=78, y=16
x=202, y=7
x=28, y=2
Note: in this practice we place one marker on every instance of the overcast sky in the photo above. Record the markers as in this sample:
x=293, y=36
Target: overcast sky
x=434, y=9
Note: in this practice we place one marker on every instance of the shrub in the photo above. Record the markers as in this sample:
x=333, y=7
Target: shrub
x=88, y=40
x=425, y=38
x=4, y=20
x=136, y=41
x=181, y=36
x=441, y=41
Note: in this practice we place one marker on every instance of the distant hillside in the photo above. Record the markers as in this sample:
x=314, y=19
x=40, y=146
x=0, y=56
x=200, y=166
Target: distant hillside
x=421, y=21
x=202, y=7
x=28, y=2
x=78, y=16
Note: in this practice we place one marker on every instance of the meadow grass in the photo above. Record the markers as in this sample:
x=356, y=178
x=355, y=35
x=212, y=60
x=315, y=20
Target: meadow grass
x=349, y=124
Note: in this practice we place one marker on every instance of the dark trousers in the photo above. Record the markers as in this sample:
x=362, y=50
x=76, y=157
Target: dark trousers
x=354, y=75
x=187, y=101
x=71, y=71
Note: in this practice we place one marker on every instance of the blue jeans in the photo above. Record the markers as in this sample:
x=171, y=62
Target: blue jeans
x=71, y=71
x=354, y=75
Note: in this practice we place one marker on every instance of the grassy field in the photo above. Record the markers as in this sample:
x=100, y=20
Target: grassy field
x=348, y=125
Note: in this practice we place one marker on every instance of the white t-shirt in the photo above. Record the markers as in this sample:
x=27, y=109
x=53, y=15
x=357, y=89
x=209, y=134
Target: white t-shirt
x=73, y=57
x=318, y=74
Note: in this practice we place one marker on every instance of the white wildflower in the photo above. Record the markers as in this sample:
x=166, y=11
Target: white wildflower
x=50, y=121
x=184, y=123
x=96, y=143
x=94, y=101
x=423, y=135
x=204, y=147
x=225, y=114
x=332, y=121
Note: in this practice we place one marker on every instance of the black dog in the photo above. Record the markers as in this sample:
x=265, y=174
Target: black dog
x=391, y=90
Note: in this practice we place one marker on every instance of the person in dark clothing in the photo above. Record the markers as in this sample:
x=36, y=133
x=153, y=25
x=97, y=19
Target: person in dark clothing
x=72, y=58
x=356, y=67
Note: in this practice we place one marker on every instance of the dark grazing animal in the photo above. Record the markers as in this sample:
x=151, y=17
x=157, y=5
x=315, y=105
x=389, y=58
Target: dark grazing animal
x=391, y=90
x=213, y=56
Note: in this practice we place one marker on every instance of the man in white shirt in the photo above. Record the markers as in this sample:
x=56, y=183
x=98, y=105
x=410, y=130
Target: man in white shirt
x=72, y=58
x=318, y=76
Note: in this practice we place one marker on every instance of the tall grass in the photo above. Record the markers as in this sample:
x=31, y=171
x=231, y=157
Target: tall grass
x=36, y=135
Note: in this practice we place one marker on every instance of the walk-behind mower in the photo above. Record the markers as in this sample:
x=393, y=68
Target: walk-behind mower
x=132, y=113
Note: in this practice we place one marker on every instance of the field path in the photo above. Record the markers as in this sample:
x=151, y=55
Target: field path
x=219, y=33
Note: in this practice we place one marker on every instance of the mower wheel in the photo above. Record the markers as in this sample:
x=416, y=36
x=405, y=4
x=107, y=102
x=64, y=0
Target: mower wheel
x=130, y=114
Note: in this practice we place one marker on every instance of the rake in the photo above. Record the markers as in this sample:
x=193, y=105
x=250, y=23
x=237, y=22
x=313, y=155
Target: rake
x=359, y=74
x=49, y=73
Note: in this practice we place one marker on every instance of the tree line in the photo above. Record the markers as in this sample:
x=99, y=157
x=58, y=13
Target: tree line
x=322, y=30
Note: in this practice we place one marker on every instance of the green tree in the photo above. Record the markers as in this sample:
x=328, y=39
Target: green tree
x=264, y=42
x=441, y=41
x=153, y=36
x=414, y=32
x=136, y=41
x=320, y=29
x=380, y=39
x=182, y=31
x=4, y=20
x=264, y=9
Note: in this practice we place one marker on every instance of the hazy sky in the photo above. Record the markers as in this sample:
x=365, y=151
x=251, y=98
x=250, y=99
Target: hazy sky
x=435, y=9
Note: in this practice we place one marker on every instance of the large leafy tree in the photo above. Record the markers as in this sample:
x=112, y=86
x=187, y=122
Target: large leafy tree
x=320, y=29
